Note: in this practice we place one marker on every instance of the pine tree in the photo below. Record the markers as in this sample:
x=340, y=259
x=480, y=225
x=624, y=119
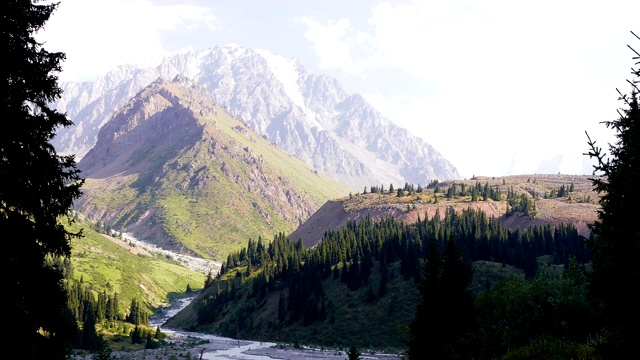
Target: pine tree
x=104, y=351
x=136, y=335
x=384, y=280
x=209, y=279
x=354, y=353
x=38, y=188
x=150, y=342
x=616, y=250
x=90, y=339
x=444, y=320
x=282, y=308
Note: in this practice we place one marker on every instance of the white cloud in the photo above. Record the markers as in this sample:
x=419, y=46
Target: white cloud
x=478, y=80
x=513, y=80
x=97, y=35
x=335, y=43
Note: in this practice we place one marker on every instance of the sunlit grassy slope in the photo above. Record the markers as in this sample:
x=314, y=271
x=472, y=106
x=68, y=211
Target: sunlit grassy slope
x=108, y=266
x=208, y=185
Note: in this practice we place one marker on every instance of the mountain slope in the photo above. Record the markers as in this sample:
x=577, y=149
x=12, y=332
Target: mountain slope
x=106, y=264
x=307, y=115
x=173, y=168
x=354, y=286
x=578, y=206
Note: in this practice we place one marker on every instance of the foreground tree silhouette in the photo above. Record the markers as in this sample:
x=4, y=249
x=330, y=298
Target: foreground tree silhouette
x=616, y=275
x=38, y=187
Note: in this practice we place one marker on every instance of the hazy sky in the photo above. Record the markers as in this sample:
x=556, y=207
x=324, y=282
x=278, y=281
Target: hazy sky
x=497, y=87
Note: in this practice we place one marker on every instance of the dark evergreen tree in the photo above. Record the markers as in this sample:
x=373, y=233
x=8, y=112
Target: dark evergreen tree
x=209, y=279
x=384, y=280
x=137, y=315
x=371, y=296
x=616, y=250
x=104, y=351
x=344, y=276
x=150, y=342
x=485, y=191
x=562, y=192
x=90, y=339
x=282, y=308
x=38, y=188
x=136, y=335
x=354, y=280
x=323, y=311
x=354, y=353
x=444, y=320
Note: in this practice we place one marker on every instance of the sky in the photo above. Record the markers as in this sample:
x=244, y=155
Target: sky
x=497, y=87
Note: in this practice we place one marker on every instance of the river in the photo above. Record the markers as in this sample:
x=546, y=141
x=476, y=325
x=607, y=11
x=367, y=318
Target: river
x=194, y=345
x=208, y=346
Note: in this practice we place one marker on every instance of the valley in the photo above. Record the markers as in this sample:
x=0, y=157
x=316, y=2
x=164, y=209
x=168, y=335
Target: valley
x=173, y=176
x=234, y=203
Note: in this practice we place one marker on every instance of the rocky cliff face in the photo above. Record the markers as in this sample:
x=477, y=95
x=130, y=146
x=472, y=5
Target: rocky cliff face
x=174, y=168
x=307, y=115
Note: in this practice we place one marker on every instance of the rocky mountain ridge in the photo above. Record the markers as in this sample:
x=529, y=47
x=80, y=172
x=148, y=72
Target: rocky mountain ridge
x=173, y=168
x=309, y=116
x=578, y=207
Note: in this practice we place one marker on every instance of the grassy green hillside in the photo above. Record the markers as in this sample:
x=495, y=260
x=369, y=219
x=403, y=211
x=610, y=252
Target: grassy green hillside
x=385, y=319
x=105, y=265
x=353, y=317
x=179, y=171
x=358, y=285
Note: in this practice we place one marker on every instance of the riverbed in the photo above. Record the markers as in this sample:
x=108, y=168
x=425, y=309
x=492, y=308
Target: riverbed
x=195, y=345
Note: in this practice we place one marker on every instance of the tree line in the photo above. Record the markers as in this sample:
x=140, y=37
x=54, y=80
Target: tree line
x=88, y=309
x=348, y=254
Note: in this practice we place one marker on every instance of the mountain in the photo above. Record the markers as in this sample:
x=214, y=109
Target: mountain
x=578, y=206
x=357, y=285
x=174, y=168
x=309, y=116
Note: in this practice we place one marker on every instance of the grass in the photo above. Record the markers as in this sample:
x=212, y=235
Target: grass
x=209, y=191
x=109, y=267
x=487, y=274
x=348, y=312
x=578, y=207
x=352, y=319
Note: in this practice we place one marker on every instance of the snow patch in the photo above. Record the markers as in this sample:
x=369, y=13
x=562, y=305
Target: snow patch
x=285, y=70
x=382, y=170
x=194, y=65
x=233, y=50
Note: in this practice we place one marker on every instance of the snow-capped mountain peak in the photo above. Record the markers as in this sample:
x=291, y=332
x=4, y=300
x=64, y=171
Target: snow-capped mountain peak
x=307, y=115
x=287, y=72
